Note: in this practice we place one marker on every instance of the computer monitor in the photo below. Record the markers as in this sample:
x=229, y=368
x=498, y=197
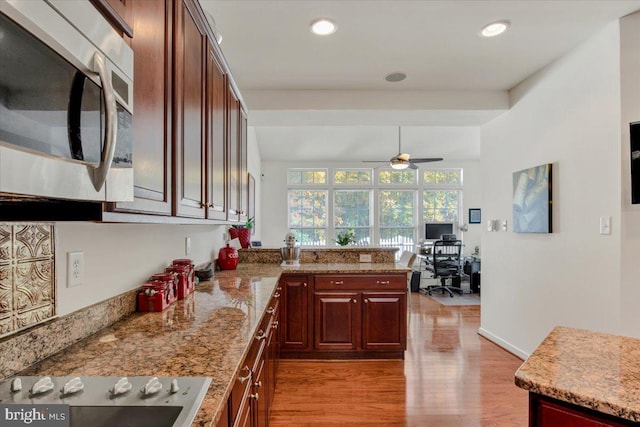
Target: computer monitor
x=435, y=230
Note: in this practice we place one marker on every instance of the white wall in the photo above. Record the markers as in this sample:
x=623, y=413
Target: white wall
x=630, y=267
x=274, y=201
x=567, y=114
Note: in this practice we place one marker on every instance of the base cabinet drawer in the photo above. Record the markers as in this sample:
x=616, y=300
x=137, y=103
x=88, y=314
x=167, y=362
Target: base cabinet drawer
x=360, y=281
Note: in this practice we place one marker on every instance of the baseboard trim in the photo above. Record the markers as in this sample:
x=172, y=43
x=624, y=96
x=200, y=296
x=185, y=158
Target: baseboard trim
x=518, y=352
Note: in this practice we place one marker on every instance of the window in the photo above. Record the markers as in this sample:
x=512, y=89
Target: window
x=397, y=226
x=352, y=176
x=407, y=176
x=442, y=195
x=306, y=176
x=308, y=216
x=323, y=202
x=352, y=209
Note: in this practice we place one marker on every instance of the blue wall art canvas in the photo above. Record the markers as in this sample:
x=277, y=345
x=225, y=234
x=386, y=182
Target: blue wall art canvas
x=532, y=200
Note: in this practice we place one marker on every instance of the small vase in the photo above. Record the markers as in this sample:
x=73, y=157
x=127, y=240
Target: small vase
x=243, y=234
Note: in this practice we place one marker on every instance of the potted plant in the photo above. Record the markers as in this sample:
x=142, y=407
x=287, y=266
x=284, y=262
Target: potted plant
x=242, y=232
x=346, y=237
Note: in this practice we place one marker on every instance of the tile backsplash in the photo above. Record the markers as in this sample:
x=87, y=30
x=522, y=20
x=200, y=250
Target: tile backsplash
x=27, y=275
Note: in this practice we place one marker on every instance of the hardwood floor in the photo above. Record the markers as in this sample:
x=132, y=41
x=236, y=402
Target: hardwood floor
x=451, y=376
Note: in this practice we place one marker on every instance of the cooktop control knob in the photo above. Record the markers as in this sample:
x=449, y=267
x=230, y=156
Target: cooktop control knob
x=43, y=385
x=16, y=384
x=122, y=386
x=74, y=385
x=174, y=386
x=151, y=387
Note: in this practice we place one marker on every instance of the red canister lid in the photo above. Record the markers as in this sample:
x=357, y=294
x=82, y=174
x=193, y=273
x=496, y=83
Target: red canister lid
x=182, y=261
x=163, y=277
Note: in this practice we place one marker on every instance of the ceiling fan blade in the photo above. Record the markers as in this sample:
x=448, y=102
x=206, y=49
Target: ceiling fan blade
x=375, y=161
x=427, y=159
x=412, y=166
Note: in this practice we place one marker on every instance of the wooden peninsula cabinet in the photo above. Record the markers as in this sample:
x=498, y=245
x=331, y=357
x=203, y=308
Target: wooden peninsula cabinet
x=344, y=315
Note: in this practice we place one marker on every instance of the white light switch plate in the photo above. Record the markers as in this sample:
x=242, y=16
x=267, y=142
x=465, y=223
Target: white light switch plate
x=605, y=225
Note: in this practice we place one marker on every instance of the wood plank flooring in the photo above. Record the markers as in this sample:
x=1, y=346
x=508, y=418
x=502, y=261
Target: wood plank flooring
x=450, y=377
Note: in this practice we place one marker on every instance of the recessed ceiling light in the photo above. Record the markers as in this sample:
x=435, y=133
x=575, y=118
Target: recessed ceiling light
x=395, y=77
x=323, y=27
x=495, y=28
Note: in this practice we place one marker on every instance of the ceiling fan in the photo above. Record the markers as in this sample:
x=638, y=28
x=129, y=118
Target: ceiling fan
x=403, y=160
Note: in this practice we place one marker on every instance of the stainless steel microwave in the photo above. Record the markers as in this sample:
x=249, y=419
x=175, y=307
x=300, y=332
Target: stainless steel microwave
x=66, y=103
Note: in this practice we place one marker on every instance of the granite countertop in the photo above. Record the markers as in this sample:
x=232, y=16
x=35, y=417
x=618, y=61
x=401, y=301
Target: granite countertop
x=205, y=335
x=590, y=369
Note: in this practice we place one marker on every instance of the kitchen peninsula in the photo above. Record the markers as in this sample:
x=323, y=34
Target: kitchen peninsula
x=579, y=377
x=210, y=334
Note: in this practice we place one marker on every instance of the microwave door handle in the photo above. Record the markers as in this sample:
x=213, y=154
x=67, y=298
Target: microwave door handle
x=99, y=173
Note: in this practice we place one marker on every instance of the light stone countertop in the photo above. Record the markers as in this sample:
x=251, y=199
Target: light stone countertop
x=205, y=335
x=590, y=369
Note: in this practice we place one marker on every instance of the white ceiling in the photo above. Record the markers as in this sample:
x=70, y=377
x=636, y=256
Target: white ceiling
x=325, y=98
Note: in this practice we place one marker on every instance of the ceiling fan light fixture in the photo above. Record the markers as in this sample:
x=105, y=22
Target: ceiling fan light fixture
x=398, y=164
x=323, y=27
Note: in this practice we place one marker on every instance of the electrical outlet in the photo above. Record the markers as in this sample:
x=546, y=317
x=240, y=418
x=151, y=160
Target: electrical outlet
x=187, y=245
x=75, y=269
x=365, y=257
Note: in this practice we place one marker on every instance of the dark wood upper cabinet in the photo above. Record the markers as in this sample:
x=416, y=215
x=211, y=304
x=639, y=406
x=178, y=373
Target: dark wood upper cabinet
x=216, y=137
x=152, y=48
x=233, y=156
x=243, y=188
x=190, y=43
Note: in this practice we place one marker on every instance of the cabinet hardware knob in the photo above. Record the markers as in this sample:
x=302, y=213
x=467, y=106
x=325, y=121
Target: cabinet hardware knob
x=255, y=396
x=276, y=295
x=354, y=300
x=258, y=384
x=275, y=324
x=366, y=300
x=304, y=284
x=244, y=378
x=271, y=310
x=261, y=335
x=279, y=288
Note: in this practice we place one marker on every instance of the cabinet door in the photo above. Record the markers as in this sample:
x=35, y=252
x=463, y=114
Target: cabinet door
x=216, y=137
x=259, y=396
x=243, y=189
x=294, y=312
x=233, y=160
x=337, y=322
x=152, y=116
x=189, y=81
x=384, y=320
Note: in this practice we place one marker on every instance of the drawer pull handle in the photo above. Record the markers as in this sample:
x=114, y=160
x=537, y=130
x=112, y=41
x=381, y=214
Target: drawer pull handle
x=276, y=295
x=261, y=335
x=271, y=310
x=245, y=377
x=382, y=282
x=338, y=282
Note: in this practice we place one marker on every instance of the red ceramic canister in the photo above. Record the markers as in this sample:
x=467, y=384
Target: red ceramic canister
x=171, y=282
x=192, y=271
x=153, y=297
x=228, y=258
x=182, y=275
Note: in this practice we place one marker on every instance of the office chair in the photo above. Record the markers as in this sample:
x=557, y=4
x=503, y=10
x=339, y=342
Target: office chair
x=445, y=261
